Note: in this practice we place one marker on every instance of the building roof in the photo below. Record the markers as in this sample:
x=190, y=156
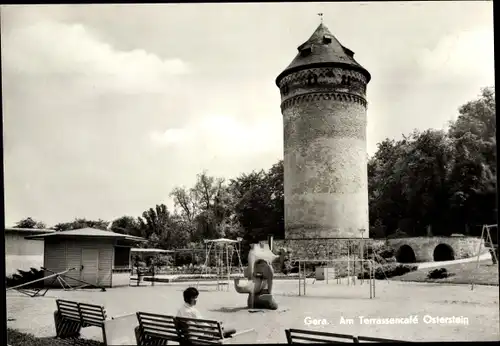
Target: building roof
x=87, y=232
x=322, y=49
x=28, y=230
x=221, y=240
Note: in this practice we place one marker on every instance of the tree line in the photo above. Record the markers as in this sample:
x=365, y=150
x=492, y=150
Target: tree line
x=433, y=182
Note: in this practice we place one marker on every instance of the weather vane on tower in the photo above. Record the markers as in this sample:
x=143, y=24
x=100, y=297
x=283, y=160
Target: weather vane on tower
x=321, y=17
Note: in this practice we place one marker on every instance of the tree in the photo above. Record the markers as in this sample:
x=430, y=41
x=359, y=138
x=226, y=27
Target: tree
x=155, y=220
x=436, y=178
x=163, y=229
x=82, y=223
x=215, y=206
x=473, y=172
x=30, y=223
x=185, y=200
x=127, y=225
x=259, y=203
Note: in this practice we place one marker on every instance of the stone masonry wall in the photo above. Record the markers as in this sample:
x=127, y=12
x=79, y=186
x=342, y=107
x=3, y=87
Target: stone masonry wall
x=423, y=247
x=314, y=249
x=325, y=161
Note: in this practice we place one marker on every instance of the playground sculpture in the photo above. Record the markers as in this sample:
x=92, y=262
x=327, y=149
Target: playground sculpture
x=259, y=275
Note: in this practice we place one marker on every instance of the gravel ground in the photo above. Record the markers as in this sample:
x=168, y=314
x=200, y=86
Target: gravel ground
x=327, y=303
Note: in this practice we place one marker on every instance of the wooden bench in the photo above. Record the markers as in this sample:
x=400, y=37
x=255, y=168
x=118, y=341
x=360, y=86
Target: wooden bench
x=70, y=317
x=67, y=319
x=204, y=332
x=155, y=329
x=300, y=336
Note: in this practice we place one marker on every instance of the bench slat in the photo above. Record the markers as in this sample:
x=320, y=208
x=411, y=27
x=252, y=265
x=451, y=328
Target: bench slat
x=162, y=330
x=317, y=340
x=309, y=336
x=86, y=314
x=158, y=322
x=141, y=314
x=214, y=333
x=198, y=321
x=374, y=339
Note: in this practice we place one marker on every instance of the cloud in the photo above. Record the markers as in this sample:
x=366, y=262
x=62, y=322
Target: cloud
x=224, y=136
x=48, y=48
x=467, y=56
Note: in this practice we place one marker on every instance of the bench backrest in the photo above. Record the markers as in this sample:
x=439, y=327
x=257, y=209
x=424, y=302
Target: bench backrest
x=300, y=336
x=92, y=315
x=197, y=331
x=372, y=339
x=157, y=326
x=68, y=309
x=88, y=314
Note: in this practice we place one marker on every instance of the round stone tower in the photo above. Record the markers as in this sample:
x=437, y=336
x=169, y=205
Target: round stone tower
x=323, y=102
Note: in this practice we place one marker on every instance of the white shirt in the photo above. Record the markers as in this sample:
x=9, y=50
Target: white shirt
x=189, y=311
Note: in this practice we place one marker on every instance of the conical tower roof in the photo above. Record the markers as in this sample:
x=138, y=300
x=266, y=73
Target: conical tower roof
x=323, y=49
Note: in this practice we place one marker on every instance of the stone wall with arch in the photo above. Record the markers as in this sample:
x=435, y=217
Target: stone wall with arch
x=407, y=250
x=428, y=249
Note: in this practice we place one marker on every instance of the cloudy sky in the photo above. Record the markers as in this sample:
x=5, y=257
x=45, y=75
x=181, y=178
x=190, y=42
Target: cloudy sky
x=106, y=108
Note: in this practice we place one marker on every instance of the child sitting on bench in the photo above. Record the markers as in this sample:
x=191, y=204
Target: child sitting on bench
x=188, y=309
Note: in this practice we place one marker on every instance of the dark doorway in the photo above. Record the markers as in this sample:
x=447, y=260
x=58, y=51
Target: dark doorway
x=444, y=252
x=406, y=254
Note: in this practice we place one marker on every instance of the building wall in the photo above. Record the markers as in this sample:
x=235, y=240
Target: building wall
x=325, y=159
x=121, y=278
x=423, y=247
x=22, y=253
x=61, y=255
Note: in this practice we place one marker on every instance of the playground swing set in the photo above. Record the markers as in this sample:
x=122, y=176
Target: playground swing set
x=221, y=251
x=487, y=242
x=331, y=271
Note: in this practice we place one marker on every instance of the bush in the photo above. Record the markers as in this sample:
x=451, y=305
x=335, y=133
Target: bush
x=163, y=260
x=389, y=270
x=386, y=252
x=440, y=273
x=23, y=277
x=391, y=259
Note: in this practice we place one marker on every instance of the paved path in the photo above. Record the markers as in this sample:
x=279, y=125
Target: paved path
x=484, y=256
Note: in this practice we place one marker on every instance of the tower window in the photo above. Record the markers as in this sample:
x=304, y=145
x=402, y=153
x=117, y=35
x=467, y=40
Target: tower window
x=306, y=51
x=312, y=79
x=349, y=52
x=285, y=89
x=327, y=39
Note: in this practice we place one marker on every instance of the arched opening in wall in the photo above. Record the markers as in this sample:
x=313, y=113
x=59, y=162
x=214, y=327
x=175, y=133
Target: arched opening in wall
x=444, y=252
x=405, y=254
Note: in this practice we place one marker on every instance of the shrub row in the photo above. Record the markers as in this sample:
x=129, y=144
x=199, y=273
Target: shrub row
x=439, y=273
x=22, y=277
x=389, y=270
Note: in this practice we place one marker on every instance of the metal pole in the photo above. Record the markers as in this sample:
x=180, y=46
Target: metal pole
x=370, y=278
x=300, y=287
x=348, y=264
x=305, y=278
x=478, y=255
x=228, y=268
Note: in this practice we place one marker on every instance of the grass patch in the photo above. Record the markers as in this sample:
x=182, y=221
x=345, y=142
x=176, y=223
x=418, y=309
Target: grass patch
x=462, y=273
x=17, y=338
